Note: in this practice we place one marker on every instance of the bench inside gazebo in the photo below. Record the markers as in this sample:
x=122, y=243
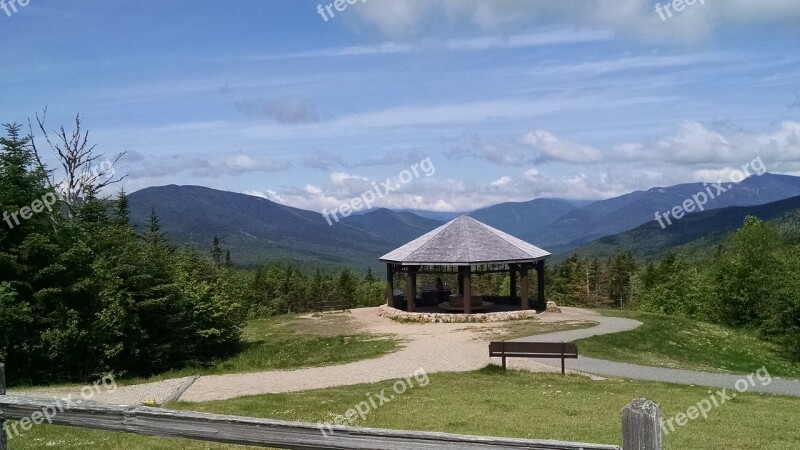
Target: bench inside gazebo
x=466, y=247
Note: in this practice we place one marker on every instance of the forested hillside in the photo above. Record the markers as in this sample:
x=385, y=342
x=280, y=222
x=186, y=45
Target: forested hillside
x=750, y=279
x=83, y=294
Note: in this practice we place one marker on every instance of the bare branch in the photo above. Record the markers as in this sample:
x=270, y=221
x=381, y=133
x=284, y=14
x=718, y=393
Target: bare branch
x=77, y=157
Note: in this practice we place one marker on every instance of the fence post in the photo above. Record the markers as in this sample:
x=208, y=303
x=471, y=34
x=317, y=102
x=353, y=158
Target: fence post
x=641, y=426
x=3, y=435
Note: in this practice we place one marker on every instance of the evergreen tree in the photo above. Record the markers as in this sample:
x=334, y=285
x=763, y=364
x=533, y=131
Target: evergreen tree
x=216, y=252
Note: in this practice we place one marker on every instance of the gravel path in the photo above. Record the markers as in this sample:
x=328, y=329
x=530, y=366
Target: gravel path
x=159, y=392
x=431, y=347
x=637, y=372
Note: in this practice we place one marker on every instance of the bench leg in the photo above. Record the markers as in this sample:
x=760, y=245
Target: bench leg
x=563, y=367
x=504, y=363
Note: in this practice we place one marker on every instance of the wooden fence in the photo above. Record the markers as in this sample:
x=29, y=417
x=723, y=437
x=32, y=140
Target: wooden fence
x=640, y=428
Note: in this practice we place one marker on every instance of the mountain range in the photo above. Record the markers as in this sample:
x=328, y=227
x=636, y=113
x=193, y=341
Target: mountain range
x=257, y=230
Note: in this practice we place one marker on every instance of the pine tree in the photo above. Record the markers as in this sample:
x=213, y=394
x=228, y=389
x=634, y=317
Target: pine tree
x=122, y=211
x=154, y=236
x=216, y=252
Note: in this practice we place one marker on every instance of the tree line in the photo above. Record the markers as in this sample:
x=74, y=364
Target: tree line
x=83, y=293
x=752, y=280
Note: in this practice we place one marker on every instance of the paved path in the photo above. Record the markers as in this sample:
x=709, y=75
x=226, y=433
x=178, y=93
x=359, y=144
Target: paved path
x=637, y=372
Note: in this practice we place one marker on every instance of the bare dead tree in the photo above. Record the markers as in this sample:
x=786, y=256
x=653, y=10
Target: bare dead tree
x=83, y=176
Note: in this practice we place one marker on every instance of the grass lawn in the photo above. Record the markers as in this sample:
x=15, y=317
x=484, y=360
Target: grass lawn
x=682, y=343
x=285, y=342
x=488, y=402
x=523, y=328
x=293, y=341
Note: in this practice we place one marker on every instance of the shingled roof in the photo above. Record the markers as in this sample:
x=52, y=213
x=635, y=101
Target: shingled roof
x=465, y=241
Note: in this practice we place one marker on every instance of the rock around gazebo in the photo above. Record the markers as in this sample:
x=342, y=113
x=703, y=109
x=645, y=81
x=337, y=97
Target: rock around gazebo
x=466, y=246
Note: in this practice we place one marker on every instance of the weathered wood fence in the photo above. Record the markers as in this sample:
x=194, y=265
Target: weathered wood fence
x=640, y=428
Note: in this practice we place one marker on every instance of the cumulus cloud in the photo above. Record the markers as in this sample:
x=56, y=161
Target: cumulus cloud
x=636, y=18
x=547, y=147
x=501, y=151
x=149, y=166
x=690, y=143
x=694, y=143
x=534, y=147
x=287, y=110
x=444, y=194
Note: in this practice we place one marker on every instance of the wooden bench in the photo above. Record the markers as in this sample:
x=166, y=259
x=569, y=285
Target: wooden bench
x=561, y=350
x=333, y=305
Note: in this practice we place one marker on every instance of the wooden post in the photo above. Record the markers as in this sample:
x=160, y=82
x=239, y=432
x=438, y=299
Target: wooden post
x=413, y=272
x=390, y=285
x=467, y=289
x=541, y=302
x=641, y=426
x=513, y=275
x=3, y=435
x=460, y=282
x=410, y=294
x=525, y=282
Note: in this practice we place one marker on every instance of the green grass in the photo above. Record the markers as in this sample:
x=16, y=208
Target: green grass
x=289, y=341
x=282, y=342
x=488, y=402
x=682, y=343
x=523, y=328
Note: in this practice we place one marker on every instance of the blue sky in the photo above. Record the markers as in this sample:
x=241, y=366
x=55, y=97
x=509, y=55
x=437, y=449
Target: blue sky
x=511, y=99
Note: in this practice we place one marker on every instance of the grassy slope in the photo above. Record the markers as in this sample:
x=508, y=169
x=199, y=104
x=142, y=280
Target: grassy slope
x=514, y=329
x=682, y=343
x=290, y=341
x=515, y=404
x=287, y=342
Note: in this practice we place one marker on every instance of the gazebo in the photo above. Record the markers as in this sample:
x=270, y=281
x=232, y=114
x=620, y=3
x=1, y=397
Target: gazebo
x=464, y=247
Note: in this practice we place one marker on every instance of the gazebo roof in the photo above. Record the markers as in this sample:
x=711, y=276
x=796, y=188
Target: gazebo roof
x=465, y=241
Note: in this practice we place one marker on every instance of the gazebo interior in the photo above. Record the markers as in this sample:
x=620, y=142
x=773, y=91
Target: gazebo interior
x=456, y=251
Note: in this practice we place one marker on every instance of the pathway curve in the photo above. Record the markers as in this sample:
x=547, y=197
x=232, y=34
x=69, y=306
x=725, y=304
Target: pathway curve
x=638, y=372
x=433, y=348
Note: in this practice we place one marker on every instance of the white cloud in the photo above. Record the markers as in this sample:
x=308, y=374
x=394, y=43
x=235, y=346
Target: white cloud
x=138, y=165
x=691, y=143
x=636, y=18
x=548, y=147
x=694, y=143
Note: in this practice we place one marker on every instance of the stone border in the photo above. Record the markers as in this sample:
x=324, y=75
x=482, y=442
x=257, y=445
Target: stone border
x=396, y=314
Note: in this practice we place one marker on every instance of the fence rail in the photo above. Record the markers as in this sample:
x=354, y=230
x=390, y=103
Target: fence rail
x=640, y=429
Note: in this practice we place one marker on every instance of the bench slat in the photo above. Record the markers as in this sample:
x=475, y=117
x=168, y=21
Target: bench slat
x=535, y=355
x=533, y=347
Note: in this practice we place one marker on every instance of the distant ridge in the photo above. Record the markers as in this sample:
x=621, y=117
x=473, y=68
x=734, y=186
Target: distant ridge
x=257, y=230
x=695, y=233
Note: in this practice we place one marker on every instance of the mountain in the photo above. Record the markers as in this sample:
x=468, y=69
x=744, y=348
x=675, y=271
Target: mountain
x=524, y=219
x=580, y=225
x=257, y=230
x=435, y=215
x=696, y=233
x=395, y=228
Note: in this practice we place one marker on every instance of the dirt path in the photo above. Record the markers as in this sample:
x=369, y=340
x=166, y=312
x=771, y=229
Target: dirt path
x=431, y=347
